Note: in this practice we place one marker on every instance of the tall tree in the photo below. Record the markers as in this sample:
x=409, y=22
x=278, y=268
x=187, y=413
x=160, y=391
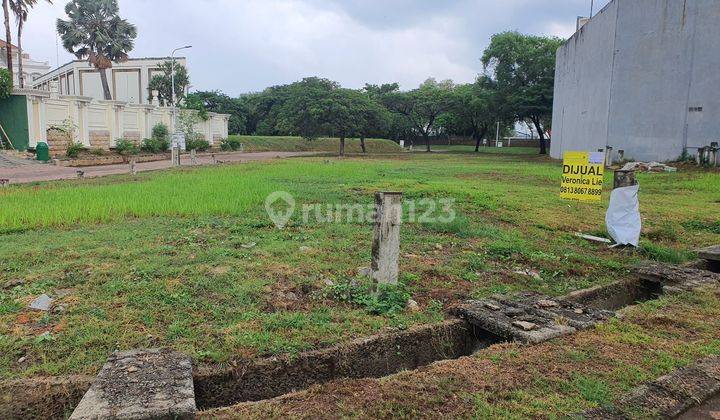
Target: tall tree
x=163, y=82
x=476, y=108
x=21, y=9
x=523, y=66
x=422, y=106
x=94, y=30
x=8, y=36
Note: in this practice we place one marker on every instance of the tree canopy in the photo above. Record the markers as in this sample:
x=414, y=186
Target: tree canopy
x=96, y=32
x=517, y=86
x=163, y=83
x=523, y=66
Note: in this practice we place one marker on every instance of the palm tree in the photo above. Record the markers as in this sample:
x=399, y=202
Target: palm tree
x=8, y=36
x=20, y=9
x=95, y=31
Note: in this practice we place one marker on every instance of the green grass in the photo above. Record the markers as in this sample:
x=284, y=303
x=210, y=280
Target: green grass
x=188, y=258
x=298, y=144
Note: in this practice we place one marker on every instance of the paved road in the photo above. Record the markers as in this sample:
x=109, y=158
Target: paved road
x=10, y=161
x=23, y=174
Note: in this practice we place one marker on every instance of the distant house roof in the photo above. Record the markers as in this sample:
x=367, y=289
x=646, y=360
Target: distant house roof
x=3, y=44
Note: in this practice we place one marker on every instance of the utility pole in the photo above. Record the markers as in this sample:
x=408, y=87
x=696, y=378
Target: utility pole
x=172, y=83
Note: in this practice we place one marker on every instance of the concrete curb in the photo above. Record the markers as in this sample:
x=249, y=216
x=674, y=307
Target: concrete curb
x=668, y=396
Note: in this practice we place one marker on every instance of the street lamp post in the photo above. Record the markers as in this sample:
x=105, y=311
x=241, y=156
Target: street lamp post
x=172, y=83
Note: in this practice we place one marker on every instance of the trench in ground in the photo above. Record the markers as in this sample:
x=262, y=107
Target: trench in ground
x=260, y=379
x=380, y=355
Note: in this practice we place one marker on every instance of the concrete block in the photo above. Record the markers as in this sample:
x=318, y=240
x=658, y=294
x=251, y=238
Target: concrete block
x=530, y=318
x=141, y=384
x=710, y=253
x=675, y=278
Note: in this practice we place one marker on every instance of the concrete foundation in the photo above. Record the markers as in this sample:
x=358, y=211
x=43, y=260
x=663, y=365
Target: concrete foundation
x=141, y=384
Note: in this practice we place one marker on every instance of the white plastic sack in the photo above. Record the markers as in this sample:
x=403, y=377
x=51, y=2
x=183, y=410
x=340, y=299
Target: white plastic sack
x=623, y=216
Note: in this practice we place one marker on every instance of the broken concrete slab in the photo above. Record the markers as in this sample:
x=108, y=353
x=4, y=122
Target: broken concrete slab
x=141, y=384
x=711, y=253
x=530, y=318
x=41, y=303
x=675, y=279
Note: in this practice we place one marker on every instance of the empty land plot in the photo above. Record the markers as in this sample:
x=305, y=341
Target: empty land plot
x=188, y=259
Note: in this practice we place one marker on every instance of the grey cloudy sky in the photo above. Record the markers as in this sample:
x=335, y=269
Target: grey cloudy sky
x=247, y=45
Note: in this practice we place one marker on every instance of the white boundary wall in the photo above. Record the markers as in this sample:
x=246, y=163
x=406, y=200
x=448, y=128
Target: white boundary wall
x=101, y=123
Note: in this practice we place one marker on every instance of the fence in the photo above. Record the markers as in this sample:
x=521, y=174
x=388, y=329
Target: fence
x=36, y=116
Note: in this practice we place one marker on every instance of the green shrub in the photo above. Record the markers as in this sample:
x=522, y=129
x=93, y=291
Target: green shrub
x=155, y=145
x=6, y=84
x=161, y=132
x=74, y=150
x=197, y=144
x=230, y=143
x=126, y=147
x=387, y=300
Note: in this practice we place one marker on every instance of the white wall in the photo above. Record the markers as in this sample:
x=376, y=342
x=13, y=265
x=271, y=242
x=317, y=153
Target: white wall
x=630, y=77
x=110, y=120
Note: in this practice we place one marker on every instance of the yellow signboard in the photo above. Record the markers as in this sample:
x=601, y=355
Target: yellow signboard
x=583, y=176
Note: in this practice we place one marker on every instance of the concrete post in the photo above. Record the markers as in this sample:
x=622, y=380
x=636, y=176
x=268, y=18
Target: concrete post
x=193, y=157
x=133, y=169
x=714, y=153
x=386, y=240
x=175, y=155
x=608, y=156
x=624, y=179
x=214, y=160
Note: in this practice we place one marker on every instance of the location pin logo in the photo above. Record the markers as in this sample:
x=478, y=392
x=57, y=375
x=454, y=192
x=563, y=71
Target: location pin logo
x=280, y=206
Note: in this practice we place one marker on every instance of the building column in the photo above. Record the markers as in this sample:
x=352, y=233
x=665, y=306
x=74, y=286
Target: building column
x=74, y=115
x=84, y=124
x=117, y=118
x=148, y=122
x=32, y=136
x=42, y=121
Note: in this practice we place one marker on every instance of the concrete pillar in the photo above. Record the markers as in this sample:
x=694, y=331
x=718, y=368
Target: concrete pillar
x=624, y=179
x=32, y=134
x=119, y=132
x=608, y=156
x=133, y=169
x=147, y=129
x=42, y=120
x=209, y=130
x=175, y=156
x=83, y=124
x=386, y=239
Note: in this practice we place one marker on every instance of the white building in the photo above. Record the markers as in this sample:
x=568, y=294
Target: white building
x=31, y=68
x=642, y=76
x=128, y=81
